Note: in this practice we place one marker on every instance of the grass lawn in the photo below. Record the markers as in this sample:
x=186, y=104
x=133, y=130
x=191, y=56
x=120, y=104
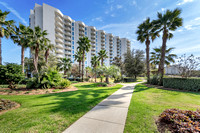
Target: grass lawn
x=52, y=112
x=148, y=103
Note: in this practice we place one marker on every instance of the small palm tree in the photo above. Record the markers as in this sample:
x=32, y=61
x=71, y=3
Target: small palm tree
x=145, y=32
x=78, y=58
x=65, y=65
x=95, y=63
x=21, y=38
x=84, y=46
x=169, y=21
x=36, y=43
x=87, y=70
x=48, y=47
x=156, y=55
x=102, y=55
x=6, y=29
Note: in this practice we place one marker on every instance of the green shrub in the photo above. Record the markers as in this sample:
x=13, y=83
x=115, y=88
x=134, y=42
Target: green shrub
x=73, y=82
x=11, y=74
x=129, y=79
x=86, y=79
x=102, y=84
x=182, y=84
x=46, y=79
x=64, y=83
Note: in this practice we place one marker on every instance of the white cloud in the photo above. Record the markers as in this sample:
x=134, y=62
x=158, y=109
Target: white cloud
x=188, y=49
x=188, y=27
x=98, y=19
x=119, y=6
x=156, y=4
x=184, y=2
x=14, y=12
x=110, y=1
x=198, y=18
x=112, y=15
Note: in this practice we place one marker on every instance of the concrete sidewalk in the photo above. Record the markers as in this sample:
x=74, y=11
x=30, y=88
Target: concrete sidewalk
x=109, y=116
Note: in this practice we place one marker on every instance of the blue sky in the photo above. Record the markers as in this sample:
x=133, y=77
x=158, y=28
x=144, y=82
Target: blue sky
x=120, y=17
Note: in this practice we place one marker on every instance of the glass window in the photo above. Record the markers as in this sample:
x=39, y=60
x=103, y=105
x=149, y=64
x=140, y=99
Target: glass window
x=72, y=24
x=73, y=47
x=85, y=33
x=72, y=38
x=85, y=28
x=72, y=33
x=72, y=28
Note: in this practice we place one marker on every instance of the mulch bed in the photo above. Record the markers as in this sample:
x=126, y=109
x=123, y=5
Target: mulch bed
x=6, y=105
x=24, y=91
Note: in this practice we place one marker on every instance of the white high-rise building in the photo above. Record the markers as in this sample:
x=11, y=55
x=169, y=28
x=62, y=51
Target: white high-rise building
x=64, y=33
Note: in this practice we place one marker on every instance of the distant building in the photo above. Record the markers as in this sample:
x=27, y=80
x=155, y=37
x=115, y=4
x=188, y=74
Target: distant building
x=64, y=33
x=172, y=70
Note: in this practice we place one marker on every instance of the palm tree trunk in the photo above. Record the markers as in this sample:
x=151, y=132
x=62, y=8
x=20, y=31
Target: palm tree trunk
x=147, y=60
x=102, y=62
x=107, y=80
x=162, y=59
x=79, y=68
x=22, y=58
x=36, y=58
x=46, y=56
x=0, y=53
x=83, y=63
x=95, y=76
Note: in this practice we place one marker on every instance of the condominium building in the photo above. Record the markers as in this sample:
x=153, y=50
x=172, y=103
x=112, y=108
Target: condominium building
x=64, y=33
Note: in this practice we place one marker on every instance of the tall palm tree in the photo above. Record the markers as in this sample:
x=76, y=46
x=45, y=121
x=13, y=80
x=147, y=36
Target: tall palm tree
x=95, y=63
x=169, y=21
x=6, y=29
x=48, y=47
x=146, y=32
x=78, y=58
x=37, y=38
x=21, y=38
x=84, y=46
x=87, y=69
x=102, y=55
x=65, y=65
x=156, y=55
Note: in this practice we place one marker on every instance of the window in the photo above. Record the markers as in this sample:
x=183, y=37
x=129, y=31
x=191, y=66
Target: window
x=72, y=28
x=73, y=47
x=72, y=33
x=85, y=33
x=72, y=42
x=72, y=38
x=72, y=24
x=85, y=28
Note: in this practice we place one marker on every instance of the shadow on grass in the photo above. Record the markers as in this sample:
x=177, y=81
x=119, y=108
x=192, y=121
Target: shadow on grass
x=80, y=101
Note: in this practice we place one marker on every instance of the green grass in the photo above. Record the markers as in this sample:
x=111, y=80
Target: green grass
x=148, y=103
x=52, y=112
x=18, y=86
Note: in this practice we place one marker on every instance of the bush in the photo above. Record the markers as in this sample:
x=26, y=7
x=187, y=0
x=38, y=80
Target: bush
x=73, y=82
x=86, y=79
x=102, y=84
x=11, y=74
x=46, y=79
x=129, y=79
x=6, y=104
x=64, y=83
x=182, y=84
x=179, y=121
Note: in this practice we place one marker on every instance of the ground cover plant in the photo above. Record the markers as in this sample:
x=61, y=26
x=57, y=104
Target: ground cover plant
x=52, y=112
x=148, y=103
x=175, y=120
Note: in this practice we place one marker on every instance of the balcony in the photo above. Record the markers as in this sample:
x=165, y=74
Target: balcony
x=67, y=28
x=59, y=55
x=92, y=40
x=93, y=53
x=93, y=33
x=59, y=19
x=59, y=51
x=58, y=34
x=110, y=39
x=68, y=47
x=102, y=40
x=58, y=24
x=81, y=28
x=81, y=33
x=103, y=36
x=67, y=19
x=111, y=46
x=67, y=33
x=59, y=40
x=59, y=46
x=102, y=44
x=102, y=32
x=67, y=43
x=80, y=23
x=58, y=29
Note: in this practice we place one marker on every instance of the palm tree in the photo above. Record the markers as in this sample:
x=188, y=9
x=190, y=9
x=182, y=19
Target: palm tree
x=95, y=63
x=6, y=28
x=48, y=48
x=156, y=55
x=87, y=69
x=145, y=32
x=84, y=46
x=37, y=40
x=102, y=55
x=21, y=38
x=78, y=58
x=65, y=65
x=169, y=21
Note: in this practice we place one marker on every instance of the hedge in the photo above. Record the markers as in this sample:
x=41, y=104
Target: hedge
x=182, y=84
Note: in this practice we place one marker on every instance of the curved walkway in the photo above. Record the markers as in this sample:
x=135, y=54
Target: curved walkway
x=109, y=116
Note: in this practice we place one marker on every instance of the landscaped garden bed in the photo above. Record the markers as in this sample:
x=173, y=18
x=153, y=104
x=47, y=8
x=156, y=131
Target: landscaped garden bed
x=25, y=91
x=6, y=105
